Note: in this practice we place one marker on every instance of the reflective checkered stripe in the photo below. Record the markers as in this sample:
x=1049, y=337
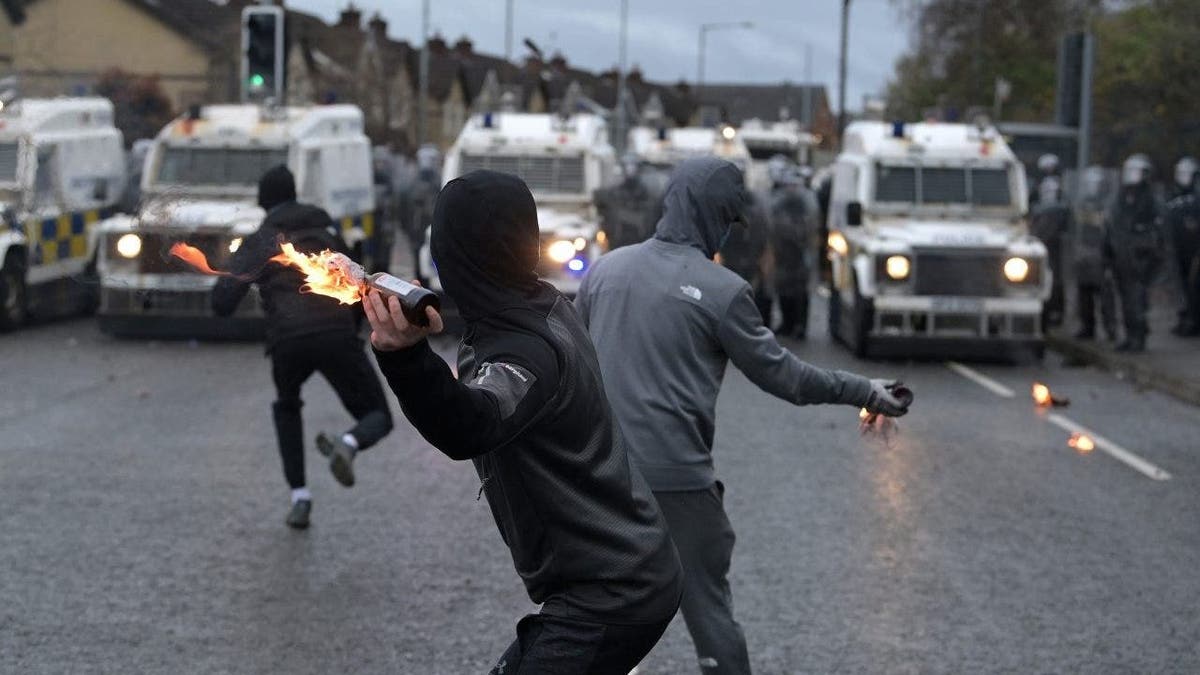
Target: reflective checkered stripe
x=62, y=238
x=366, y=222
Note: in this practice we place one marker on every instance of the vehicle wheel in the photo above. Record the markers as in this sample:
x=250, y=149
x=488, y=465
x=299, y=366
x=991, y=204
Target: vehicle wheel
x=13, y=299
x=861, y=319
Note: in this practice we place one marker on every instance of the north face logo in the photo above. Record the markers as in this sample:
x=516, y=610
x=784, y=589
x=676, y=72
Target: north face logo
x=692, y=292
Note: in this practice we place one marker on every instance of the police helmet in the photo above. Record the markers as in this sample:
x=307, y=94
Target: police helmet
x=1185, y=171
x=1136, y=170
x=1048, y=163
x=1093, y=182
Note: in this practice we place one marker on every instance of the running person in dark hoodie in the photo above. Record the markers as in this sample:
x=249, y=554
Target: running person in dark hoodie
x=528, y=408
x=666, y=321
x=306, y=333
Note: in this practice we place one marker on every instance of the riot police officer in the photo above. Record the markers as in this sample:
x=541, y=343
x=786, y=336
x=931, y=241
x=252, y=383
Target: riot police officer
x=1134, y=247
x=1183, y=219
x=791, y=218
x=1050, y=222
x=629, y=210
x=422, y=194
x=1093, y=279
x=747, y=252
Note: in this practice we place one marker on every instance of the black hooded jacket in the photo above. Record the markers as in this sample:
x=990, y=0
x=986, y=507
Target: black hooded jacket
x=290, y=313
x=528, y=407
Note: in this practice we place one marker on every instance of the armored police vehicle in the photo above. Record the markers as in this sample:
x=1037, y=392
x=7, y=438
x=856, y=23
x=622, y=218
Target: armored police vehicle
x=199, y=186
x=62, y=168
x=664, y=148
x=929, y=245
x=767, y=140
x=563, y=160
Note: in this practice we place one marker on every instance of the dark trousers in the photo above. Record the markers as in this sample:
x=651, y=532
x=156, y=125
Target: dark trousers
x=1133, y=287
x=794, y=309
x=1087, y=307
x=705, y=539
x=340, y=358
x=548, y=645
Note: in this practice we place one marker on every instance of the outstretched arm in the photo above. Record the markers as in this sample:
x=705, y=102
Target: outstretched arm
x=246, y=265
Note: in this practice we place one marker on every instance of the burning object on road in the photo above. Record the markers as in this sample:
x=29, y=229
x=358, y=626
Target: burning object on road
x=1081, y=442
x=1044, y=398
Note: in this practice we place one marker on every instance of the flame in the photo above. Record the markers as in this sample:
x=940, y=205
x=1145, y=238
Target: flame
x=863, y=414
x=194, y=257
x=1081, y=442
x=1041, y=394
x=327, y=273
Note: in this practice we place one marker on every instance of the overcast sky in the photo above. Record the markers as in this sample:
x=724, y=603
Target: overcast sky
x=663, y=35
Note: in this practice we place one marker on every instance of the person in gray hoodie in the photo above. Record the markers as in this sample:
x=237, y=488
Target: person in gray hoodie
x=666, y=321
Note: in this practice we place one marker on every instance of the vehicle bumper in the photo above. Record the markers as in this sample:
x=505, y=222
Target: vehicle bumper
x=180, y=313
x=908, y=325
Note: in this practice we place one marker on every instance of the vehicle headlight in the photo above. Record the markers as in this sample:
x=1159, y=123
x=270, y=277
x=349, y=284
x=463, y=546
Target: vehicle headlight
x=838, y=243
x=897, y=267
x=560, y=251
x=580, y=243
x=235, y=244
x=129, y=245
x=1016, y=269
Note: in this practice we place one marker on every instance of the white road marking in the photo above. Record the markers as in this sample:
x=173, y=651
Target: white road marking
x=981, y=380
x=1115, y=451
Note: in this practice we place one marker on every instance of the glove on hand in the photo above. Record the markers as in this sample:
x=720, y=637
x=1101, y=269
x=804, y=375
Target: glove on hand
x=888, y=398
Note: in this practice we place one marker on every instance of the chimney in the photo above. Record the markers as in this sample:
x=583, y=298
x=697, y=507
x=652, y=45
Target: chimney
x=464, y=47
x=610, y=74
x=533, y=63
x=635, y=74
x=378, y=27
x=437, y=44
x=351, y=17
x=558, y=61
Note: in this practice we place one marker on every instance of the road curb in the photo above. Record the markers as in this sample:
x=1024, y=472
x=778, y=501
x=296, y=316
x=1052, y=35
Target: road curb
x=1128, y=367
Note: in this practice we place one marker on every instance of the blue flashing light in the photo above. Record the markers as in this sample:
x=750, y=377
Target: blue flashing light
x=898, y=129
x=577, y=265
x=487, y=120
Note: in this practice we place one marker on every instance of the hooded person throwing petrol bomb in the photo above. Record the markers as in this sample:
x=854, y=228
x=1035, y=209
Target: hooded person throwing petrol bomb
x=667, y=321
x=528, y=408
x=306, y=333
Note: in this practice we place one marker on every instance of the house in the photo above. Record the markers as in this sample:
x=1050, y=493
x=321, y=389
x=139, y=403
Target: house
x=58, y=47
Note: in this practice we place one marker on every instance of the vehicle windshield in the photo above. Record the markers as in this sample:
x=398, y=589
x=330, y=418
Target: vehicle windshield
x=217, y=166
x=967, y=186
x=542, y=173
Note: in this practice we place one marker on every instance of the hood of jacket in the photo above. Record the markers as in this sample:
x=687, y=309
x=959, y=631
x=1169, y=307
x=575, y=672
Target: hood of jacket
x=485, y=243
x=704, y=198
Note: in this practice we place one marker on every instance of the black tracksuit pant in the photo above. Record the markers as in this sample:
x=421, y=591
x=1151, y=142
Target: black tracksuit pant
x=340, y=358
x=548, y=645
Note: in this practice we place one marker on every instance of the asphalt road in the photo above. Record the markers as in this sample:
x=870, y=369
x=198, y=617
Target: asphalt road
x=142, y=505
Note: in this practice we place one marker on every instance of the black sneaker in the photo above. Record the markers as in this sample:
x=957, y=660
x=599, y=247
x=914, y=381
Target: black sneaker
x=298, y=517
x=341, y=457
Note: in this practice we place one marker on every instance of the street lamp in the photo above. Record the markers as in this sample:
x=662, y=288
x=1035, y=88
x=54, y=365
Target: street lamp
x=704, y=29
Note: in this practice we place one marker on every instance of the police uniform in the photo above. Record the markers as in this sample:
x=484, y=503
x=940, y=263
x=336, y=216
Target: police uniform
x=791, y=216
x=1183, y=220
x=1134, y=248
x=1092, y=276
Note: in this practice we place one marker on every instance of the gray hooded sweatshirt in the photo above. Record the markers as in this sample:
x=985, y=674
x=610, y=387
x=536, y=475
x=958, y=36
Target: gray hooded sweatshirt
x=666, y=319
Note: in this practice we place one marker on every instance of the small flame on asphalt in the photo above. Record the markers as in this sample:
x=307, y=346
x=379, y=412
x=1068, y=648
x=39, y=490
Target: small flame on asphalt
x=1081, y=442
x=1041, y=394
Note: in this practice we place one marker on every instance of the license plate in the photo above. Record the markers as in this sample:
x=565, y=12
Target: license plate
x=958, y=305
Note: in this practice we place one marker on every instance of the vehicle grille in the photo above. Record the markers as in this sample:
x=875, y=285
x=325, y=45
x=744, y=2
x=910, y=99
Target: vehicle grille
x=971, y=273
x=550, y=173
x=157, y=259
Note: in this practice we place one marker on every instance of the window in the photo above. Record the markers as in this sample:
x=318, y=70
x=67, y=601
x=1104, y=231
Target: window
x=8, y=162
x=43, y=181
x=312, y=188
x=943, y=186
x=895, y=184
x=217, y=166
x=546, y=173
x=989, y=187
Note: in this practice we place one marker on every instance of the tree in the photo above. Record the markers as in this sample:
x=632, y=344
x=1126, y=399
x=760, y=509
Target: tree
x=140, y=106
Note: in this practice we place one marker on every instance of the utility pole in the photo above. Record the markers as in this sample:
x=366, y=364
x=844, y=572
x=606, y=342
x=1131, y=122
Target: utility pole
x=842, y=73
x=508, y=31
x=704, y=28
x=808, y=105
x=423, y=75
x=621, y=121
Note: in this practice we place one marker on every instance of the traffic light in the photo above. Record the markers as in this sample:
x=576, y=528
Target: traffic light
x=262, y=53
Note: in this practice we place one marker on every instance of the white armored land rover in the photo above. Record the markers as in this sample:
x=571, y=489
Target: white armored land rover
x=563, y=160
x=199, y=187
x=930, y=250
